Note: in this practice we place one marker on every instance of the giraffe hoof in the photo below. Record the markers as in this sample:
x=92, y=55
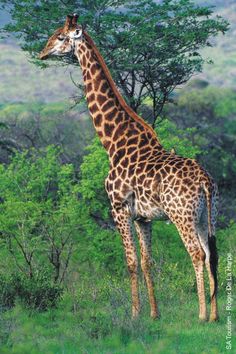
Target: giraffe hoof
x=214, y=318
x=155, y=315
x=135, y=314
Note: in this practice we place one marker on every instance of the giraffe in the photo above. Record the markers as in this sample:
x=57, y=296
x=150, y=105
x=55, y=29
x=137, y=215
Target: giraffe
x=144, y=181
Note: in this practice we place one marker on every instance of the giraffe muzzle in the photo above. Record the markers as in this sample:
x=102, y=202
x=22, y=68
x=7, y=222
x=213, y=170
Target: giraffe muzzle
x=43, y=56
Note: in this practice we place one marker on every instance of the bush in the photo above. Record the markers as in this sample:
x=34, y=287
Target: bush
x=7, y=293
x=38, y=226
x=40, y=293
x=36, y=293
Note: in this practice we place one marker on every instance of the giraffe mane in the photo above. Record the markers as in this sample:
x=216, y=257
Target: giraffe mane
x=121, y=100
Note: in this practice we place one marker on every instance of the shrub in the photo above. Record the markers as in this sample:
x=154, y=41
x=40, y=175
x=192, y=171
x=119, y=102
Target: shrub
x=38, y=226
x=36, y=293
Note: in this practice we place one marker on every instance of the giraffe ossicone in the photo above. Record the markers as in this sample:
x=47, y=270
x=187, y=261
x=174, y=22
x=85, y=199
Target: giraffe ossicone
x=144, y=181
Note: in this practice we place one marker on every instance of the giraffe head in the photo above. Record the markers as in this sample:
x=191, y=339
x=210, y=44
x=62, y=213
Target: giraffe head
x=64, y=39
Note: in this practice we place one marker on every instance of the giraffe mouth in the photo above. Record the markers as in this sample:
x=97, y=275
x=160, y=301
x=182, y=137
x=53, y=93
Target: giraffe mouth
x=53, y=55
x=44, y=55
x=47, y=54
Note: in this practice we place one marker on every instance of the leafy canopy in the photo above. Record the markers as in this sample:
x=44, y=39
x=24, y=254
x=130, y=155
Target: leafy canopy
x=150, y=47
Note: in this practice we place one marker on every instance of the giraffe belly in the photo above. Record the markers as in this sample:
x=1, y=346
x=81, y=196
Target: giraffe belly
x=148, y=211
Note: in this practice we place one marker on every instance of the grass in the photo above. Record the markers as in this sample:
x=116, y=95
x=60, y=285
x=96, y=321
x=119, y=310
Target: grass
x=95, y=319
x=93, y=316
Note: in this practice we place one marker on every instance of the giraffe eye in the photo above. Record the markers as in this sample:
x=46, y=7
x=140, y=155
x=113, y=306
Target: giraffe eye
x=60, y=37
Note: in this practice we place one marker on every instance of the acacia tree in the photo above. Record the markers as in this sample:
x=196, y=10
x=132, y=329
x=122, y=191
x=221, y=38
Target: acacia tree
x=150, y=46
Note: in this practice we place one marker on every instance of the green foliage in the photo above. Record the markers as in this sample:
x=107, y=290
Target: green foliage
x=219, y=102
x=7, y=294
x=226, y=246
x=38, y=223
x=101, y=241
x=173, y=137
x=94, y=170
x=150, y=47
x=38, y=293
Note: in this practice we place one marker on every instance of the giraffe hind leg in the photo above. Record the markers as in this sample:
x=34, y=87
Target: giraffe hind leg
x=190, y=239
x=208, y=243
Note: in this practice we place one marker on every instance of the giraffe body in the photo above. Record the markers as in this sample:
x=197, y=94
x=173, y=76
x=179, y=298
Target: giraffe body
x=145, y=182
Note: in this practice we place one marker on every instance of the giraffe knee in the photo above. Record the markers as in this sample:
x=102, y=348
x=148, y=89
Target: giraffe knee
x=145, y=264
x=133, y=265
x=198, y=256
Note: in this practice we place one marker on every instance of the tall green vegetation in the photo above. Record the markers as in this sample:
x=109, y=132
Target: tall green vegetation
x=45, y=211
x=38, y=226
x=59, y=252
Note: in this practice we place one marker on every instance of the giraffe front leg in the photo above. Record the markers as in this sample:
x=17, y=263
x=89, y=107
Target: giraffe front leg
x=144, y=234
x=124, y=226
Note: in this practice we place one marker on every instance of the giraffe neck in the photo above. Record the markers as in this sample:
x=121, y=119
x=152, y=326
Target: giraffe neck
x=119, y=128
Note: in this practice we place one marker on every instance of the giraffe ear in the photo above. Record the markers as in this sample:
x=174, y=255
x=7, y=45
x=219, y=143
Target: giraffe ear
x=75, y=19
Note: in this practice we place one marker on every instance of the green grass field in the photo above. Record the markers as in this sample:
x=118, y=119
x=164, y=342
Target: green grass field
x=93, y=315
x=97, y=320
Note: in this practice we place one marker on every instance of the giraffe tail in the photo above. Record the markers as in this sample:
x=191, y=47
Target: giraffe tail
x=207, y=187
